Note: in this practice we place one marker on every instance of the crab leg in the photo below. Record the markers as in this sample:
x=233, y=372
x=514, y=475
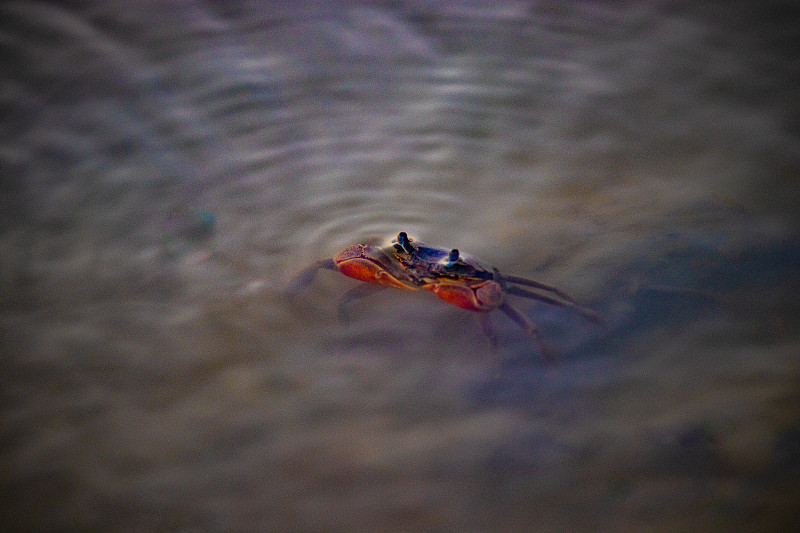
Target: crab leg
x=356, y=293
x=530, y=328
x=535, y=284
x=488, y=329
x=487, y=326
x=583, y=311
x=307, y=275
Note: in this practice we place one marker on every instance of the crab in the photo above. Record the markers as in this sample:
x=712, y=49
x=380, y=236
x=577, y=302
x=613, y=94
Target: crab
x=456, y=278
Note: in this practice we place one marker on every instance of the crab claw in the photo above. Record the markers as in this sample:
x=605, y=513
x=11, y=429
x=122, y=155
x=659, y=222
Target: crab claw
x=363, y=263
x=485, y=296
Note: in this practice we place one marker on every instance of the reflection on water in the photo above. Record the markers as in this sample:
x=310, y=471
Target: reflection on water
x=168, y=168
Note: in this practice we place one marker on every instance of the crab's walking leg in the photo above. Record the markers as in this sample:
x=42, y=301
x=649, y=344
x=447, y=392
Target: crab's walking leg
x=531, y=329
x=487, y=326
x=488, y=329
x=357, y=292
x=535, y=284
x=307, y=275
x=583, y=311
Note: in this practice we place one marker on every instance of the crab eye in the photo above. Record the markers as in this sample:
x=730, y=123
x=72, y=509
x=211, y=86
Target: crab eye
x=452, y=258
x=402, y=240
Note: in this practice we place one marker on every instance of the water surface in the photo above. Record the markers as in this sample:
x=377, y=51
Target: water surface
x=168, y=168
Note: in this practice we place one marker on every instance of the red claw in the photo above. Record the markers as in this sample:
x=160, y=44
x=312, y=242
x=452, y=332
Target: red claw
x=354, y=262
x=484, y=297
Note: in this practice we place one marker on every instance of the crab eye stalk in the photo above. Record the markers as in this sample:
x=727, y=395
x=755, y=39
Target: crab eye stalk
x=402, y=240
x=452, y=258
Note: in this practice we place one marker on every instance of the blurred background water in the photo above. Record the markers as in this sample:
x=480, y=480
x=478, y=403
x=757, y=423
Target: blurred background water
x=167, y=167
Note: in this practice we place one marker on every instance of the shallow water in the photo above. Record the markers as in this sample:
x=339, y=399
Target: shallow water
x=168, y=168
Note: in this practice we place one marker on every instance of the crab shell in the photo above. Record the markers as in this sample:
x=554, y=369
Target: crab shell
x=385, y=266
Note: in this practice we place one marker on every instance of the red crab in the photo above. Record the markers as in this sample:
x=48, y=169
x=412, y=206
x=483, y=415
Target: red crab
x=457, y=279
